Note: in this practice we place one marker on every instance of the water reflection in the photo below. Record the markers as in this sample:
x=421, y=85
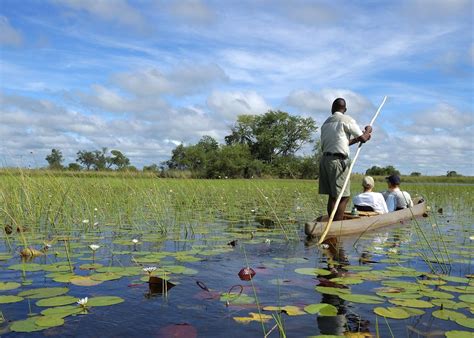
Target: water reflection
x=345, y=321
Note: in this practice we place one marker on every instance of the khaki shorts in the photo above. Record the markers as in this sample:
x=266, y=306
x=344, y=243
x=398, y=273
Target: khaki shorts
x=332, y=174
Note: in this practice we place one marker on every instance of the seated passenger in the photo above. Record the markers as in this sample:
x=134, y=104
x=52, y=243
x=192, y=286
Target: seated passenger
x=369, y=199
x=395, y=198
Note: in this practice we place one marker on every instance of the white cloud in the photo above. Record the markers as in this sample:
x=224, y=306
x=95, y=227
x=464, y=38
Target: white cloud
x=110, y=10
x=180, y=81
x=443, y=116
x=231, y=104
x=9, y=35
x=193, y=11
x=319, y=103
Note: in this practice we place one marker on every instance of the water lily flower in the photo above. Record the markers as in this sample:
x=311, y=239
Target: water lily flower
x=471, y=238
x=149, y=269
x=94, y=247
x=96, y=224
x=85, y=221
x=134, y=241
x=82, y=302
x=95, y=209
x=325, y=246
x=268, y=240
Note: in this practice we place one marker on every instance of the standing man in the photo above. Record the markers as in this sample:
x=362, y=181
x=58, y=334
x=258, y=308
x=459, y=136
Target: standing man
x=338, y=132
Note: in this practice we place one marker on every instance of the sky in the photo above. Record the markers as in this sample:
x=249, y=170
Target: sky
x=143, y=76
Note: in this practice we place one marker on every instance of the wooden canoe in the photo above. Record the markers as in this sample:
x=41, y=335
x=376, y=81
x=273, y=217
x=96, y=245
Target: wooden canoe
x=365, y=221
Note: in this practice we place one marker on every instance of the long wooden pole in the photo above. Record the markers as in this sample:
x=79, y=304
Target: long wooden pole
x=333, y=213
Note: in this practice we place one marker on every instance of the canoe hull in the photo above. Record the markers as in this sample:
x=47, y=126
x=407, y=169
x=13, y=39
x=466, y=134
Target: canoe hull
x=363, y=224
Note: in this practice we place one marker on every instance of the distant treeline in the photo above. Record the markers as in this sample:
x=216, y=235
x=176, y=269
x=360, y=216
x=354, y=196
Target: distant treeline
x=257, y=146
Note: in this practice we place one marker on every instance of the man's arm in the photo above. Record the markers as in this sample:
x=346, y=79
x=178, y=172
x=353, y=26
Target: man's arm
x=362, y=138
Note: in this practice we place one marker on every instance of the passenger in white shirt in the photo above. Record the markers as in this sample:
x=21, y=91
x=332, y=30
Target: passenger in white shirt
x=394, y=197
x=369, y=199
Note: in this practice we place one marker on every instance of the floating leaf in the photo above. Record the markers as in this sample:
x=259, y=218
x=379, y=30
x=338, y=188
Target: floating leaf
x=5, y=256
x=10, y=299
x=312, y=271
x=449, y=304
x=466, y=322
x=253, y=317
x=412, y=311
x=458, y=289
x=84, y=281
x=458, y=334
x=357, y=267
x=27, y=325
x=62, y=311
x=43, y=292
x=432, y=282
x=321, y=309
x=401, y=295
x=104, y=301
x=448, y=314
x=4, y=286
x=105, y=276
x=57, y=301
x=411, y=303
x=392, y=312
x=93, y=266
x=290, y=310
x=26, y=267
x=236, y=298
x=360, y=298
x=437, y=294
x=328, y=290
x=455, y=279
x=49, y=321
x=467, y=298
x=346, y=280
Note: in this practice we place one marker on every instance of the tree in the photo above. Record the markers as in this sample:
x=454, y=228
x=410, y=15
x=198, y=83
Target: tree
x=86, y=158
x=101, y=160
x=151, y=168
x=452, y=173
x=55, y=159
x=118, y=159
x=382, y=171
x=415, y=173
x=273, y=134
x=73, y=167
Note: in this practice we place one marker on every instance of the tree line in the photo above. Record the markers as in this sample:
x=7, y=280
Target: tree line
x=256, y=146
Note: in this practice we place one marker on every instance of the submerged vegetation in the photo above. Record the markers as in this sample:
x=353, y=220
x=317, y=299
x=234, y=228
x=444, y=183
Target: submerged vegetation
x=72, y=244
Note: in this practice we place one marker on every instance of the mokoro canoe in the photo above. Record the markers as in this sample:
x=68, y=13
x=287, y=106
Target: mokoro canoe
x=365, y=221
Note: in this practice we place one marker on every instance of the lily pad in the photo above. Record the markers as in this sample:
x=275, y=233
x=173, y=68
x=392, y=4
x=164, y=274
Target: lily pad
x=455, y=279
x=84, y=281
x=437, y=294
x=448, y=314
x=49, y=321
x=62, y=311
x=347, y=280
x=93, y=266
x=466, y=322
x=412, y=311
x=253, y=317
x=236, y=298
x=57, y=301
x=361, y=298
x=458, y=334
x=26, y=267
x=10, y=299
x=412, y=303
x=392, y=312
x=449, y=304
x=105, y=276
x=4, y=286
x=328, y=290
x=104, y=301
x=322, y=309
x=43, y=292
x=467, y=298
x=290, y=310
x=27, y=325
x=313, y=271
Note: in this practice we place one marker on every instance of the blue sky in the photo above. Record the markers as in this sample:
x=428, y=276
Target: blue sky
x=142, y=76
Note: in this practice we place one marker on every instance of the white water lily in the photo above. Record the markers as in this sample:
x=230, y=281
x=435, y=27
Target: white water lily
x=268, y=240
x=82, y=302
x=149, y=269
x=325, y=246
x=94, y=247
x=134, y=241
x=95, y=209
x=96, y=224
x=85, y=221
x=471, y=238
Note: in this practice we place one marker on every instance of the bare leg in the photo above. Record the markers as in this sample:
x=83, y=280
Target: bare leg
x=339, y=216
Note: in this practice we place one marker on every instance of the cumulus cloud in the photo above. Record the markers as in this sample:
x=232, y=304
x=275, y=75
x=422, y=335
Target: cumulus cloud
x=233, y=103
x=319, y=103
x=443, y=116
x=9, y=36
x=180, y=81
x=193, y=11
x=118, y=11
